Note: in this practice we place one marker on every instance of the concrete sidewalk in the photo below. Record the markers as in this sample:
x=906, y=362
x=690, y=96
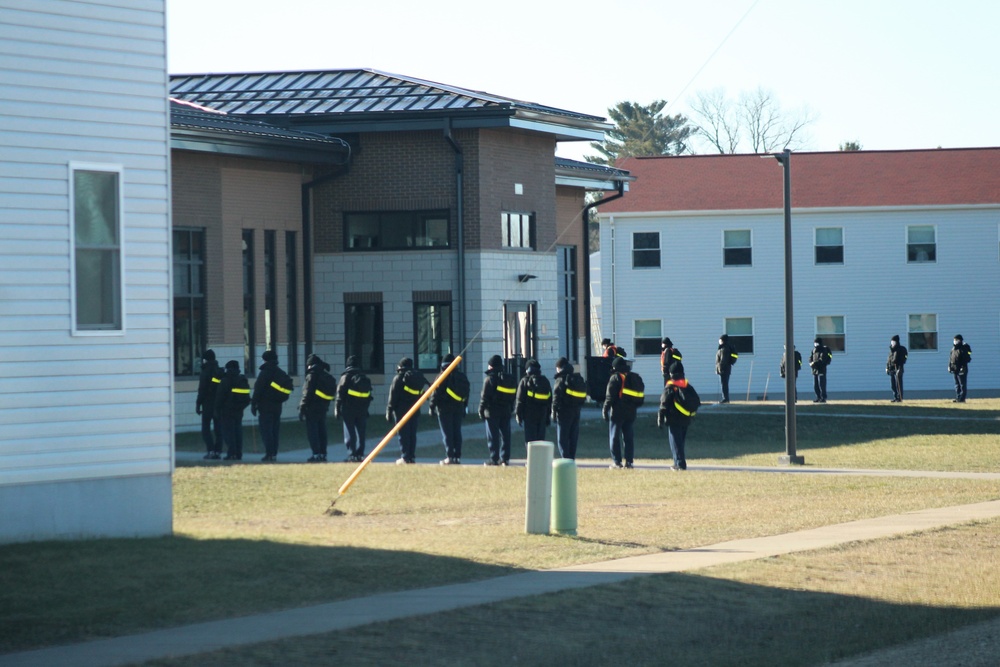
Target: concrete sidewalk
x=346, y=614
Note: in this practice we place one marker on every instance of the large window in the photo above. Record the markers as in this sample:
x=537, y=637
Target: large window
x=95, y=193
x=737, y=249
x=740, y=332
x=922, y=330
x=270, y=290
x=645, y=250
x=921, y=243
x=566, y=293
x=647, y=337
x=829, y=245
x=189, y=299
x=432, y=333
x=363, y=331
x=518, y=230
x=831, y=329
x=396, y=230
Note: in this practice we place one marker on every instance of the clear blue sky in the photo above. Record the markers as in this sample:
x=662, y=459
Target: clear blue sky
x=892, y=74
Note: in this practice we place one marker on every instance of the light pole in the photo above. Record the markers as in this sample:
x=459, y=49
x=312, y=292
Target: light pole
x=791, y=368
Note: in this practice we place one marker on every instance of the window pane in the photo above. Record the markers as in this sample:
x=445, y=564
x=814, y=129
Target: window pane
x=921, y=252
x=647, y=346
x=739, y=326
x=363, y=328
x=362, y=230
x=647, y=329
x=435, y=233
x=396, y=231
x=646, y=240
x=829, y=236
x=97, y=289
x=922, y=332
x=830, y=254
x=644, y=259
x=829, y=324
x=95, y=208
x=920, y=234
x=737, y=238
x=433, y=333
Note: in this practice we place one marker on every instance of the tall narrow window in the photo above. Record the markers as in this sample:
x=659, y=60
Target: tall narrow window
x=740, y=332
x=95, y=193
x=737, y=249
x=921, y=244
x=363, y=329
x=829, y=245
x=518, y=230
x=270, y=290
x=291, y=302
x=567, y=296
x=831, y=329
x=645, y=250
x=647, y=337
x=189, y=299
x=432, y=333
x=249, y=336
x=922, y=330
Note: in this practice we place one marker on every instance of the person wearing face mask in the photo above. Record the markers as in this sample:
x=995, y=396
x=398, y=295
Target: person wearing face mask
x=725, y=357
x=958, y=365
x=894, y=368
x=818, y=361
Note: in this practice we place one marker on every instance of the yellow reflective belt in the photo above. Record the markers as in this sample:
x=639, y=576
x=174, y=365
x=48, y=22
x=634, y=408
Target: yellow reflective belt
x=415, y=392
x=676, y=356
x=325, y=397
x=506, y=390
x=238, y=390
x=735, y=356
x=632, y=392
x=359, y=394
x=686, y=413
x=216, y=380
x=277, y=386
x=577, y=394
x=540, y=397
x=454, y=395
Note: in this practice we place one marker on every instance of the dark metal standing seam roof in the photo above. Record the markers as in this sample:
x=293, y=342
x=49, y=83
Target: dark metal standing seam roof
x=184, y=116
x=355, y=91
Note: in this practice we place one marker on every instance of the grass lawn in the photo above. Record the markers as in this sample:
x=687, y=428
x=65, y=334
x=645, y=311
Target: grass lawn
x=251, y=538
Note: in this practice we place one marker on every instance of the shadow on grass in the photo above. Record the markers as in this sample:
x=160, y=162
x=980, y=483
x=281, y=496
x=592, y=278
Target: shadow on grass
x=676, y=619
x=64, y=592
x=735, y=431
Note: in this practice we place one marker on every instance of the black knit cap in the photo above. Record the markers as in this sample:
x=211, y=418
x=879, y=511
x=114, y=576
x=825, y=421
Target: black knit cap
x=666, y=341
x=404, y=364
x=209, y=355
x=269, y=355
x=232, y=364
x=352, y=361
x=496, y=361
x=619, y=364
x=313, y=360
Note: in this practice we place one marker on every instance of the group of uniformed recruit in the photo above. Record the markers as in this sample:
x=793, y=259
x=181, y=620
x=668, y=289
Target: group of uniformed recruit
x=223, y=395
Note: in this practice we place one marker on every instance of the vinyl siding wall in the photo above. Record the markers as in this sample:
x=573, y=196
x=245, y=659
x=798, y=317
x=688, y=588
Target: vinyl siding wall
x=875, y=290
x=85, y=421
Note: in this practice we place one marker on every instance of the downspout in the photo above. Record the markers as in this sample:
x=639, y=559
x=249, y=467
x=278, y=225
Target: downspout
x=586, y=264
x=460, y=212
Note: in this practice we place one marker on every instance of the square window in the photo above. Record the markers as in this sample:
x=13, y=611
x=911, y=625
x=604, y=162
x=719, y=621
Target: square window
x=517, y=230
x=647, y=337
x=737, y=249
x=921, y=244
x=645, y=250
x=740, y=332
x=922, y=332
x=829, y=245
x=831, y=329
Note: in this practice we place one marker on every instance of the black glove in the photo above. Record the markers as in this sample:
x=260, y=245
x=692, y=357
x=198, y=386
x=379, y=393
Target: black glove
x=197, y=408
x=482, y=414
x=388, y=415
x=253, y=410
x=606, y=414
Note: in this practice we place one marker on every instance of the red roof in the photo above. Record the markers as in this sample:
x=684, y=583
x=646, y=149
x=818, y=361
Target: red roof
x=843, y=179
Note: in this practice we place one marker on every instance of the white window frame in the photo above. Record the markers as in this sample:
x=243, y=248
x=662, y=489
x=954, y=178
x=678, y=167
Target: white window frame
x=658, y=250
x=636, y=336
x=843, y=247
x=119, y=170
x=936, y=331
x=725, y=247
x=907, y=244
x=826, y=335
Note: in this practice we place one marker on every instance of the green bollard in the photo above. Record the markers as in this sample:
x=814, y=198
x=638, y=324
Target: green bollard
x=564, y=496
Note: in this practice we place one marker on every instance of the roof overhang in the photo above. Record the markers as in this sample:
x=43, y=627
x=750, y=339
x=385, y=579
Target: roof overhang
x=200, y=141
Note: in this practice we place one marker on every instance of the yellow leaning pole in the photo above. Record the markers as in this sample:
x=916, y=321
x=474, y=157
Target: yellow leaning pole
x=395, y=429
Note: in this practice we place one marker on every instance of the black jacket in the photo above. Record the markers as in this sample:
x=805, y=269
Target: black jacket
x=233, y=394
x=442, y=401
x=669, y=400
x=318, y=391
x=561, y=403
x=263, y=399
x=819, y=359
x=493, y=400
x=619, y=411
x=208, y=383
x=798, y=364
x=401, y=398
x=534, y=397
x=725, y=357
x=958, y=361
x=896, y=359
x=348, y=404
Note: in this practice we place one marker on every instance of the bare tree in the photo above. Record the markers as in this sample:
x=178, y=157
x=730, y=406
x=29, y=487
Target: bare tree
x=755, y=122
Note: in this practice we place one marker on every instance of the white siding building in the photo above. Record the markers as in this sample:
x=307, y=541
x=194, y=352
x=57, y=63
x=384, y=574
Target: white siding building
x=883, y=243
x=85, y=368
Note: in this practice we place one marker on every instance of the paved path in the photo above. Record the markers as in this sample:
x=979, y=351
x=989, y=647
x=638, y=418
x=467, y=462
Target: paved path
x=203, y=637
